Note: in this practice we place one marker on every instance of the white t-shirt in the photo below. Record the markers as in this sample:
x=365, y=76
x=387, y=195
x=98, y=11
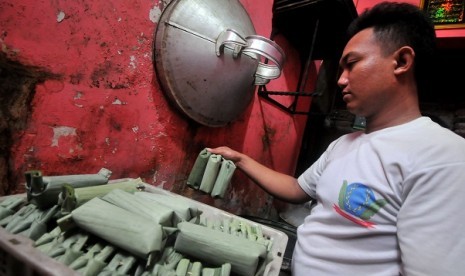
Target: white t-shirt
x=389, y=202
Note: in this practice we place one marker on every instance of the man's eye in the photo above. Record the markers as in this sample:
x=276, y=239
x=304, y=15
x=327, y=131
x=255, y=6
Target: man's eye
x=350, y=64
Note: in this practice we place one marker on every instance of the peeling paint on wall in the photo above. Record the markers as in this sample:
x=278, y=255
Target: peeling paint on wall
x=132, y=62
x=60, y=16
x=118, y=102
x=61, y=131
x=154, y=14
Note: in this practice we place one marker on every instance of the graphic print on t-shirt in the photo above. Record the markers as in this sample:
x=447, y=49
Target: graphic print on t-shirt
x=358, y=204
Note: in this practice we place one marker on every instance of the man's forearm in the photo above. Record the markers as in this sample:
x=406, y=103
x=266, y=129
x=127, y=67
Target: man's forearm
x=277, y=184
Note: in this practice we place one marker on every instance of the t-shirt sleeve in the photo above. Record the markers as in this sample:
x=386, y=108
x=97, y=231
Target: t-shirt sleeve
x=431, y=221
x=309, y=178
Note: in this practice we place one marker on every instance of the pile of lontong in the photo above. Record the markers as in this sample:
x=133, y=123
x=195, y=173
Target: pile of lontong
x=105, y=228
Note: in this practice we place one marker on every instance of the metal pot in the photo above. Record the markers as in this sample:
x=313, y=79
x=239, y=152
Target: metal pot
x=208, y=59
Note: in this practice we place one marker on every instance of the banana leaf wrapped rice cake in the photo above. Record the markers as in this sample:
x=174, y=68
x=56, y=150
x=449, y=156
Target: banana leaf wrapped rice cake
x=108, y=231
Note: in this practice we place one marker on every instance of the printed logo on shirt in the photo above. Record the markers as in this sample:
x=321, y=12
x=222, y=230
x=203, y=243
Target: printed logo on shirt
x=358, y=204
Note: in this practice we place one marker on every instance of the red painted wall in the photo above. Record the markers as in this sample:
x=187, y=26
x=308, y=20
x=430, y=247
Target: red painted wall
x=107, y=109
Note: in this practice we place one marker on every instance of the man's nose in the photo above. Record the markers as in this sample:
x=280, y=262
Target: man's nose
x=343, y=81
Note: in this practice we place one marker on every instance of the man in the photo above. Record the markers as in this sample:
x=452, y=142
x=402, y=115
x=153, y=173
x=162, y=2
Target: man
x=390, y=199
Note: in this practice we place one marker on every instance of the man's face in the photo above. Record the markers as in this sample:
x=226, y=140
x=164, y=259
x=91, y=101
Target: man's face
x=367, y=75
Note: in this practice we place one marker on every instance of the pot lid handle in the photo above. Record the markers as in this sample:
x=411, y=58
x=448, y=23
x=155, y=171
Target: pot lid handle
x=258, y=47
x=230, y=37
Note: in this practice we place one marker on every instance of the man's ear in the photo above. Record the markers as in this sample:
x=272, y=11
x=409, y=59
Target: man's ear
x=404, y=58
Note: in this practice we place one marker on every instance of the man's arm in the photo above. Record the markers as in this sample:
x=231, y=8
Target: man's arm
x=431, y=224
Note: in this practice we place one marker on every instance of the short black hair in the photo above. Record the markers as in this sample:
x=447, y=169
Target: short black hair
x=397, y=24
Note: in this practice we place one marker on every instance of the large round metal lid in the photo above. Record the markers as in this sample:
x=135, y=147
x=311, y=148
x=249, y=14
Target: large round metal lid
x=199, y=61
